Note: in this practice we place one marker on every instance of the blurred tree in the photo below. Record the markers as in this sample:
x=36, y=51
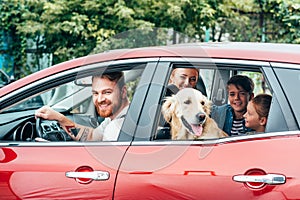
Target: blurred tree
x=10, y=14
x=282, y=20
x=263, y=21
x=64, y=29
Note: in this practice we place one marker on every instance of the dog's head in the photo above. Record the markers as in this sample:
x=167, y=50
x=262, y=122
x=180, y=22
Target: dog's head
x=188, y=108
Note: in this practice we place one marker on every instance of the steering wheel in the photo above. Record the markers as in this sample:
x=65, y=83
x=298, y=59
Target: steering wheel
x=50, y=130
x=38, y=127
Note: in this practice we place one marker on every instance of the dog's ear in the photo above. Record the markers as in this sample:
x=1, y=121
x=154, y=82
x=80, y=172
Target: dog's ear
x=206, y=105
x=168, y=107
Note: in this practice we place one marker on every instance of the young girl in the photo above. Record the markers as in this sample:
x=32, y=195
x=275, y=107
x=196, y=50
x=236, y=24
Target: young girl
x=257, y=112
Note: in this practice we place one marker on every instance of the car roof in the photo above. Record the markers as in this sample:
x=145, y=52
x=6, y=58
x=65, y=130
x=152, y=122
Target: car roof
x=276, y=52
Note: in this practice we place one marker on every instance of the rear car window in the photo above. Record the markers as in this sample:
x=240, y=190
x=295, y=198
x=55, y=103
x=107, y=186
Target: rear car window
x=290, y=80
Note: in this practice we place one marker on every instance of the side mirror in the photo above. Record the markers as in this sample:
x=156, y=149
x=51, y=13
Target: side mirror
x=4, y=78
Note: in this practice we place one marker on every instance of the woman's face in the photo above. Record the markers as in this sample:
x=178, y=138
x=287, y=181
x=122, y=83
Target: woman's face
x=184, y=77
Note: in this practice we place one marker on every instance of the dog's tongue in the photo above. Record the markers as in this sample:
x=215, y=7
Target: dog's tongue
x=197, y=129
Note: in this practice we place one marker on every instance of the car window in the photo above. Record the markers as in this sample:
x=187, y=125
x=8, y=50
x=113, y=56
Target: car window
x=290, y=79
x=49, y=97
x=132, y=78
x=260, y=84
x=70, y=95
x=215, y=81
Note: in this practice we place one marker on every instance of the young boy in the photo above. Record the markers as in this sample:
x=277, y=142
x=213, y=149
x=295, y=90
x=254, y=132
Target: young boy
x=229, y=117
x=257, y=113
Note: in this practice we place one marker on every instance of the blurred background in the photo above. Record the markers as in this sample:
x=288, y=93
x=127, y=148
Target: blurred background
x=36, y=34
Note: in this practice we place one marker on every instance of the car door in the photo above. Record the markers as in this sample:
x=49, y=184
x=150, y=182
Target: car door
x=58, y=171
x=68, y=169
x=259, y=166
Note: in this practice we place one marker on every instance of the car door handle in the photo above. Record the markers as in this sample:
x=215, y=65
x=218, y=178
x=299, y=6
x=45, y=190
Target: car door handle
x=271, y=179
x=95, y=175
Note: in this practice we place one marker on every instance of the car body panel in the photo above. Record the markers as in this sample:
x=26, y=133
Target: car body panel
x=198, y=171
x=31, y=176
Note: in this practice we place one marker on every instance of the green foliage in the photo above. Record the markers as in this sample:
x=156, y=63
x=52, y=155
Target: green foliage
x=264, y=21
x=68, y=29
x=10, y=14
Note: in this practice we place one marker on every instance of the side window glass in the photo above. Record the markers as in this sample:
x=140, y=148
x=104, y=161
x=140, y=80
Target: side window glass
x=247, y=104
x=51, y=97
x=182, y=77
x=216, y=110
x=201, y=80
x=207, y=76
x=108, y=101
x=111, y=103
x=91, y=105
x=260, y=84
x=290, y=79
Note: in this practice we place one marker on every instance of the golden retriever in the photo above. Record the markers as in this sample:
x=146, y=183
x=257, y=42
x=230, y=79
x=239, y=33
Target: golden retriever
x=187, y=112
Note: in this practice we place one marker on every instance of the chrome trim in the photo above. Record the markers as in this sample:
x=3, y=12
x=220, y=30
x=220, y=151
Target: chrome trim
x=216, y=60
x=271, y=179
x=62, y=143
x=152, y=143
x=120, y=62
x=216, y=141
x=95, y=175
x=285, y=65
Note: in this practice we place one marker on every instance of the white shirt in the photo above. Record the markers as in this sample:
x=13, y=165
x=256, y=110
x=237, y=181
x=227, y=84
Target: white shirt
x=109, y=129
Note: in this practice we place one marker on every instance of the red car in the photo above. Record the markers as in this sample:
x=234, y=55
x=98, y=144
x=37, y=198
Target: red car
x=141, y=165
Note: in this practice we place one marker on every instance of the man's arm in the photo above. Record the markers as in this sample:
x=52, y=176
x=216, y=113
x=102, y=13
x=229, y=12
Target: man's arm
x=79, y=132
x=75, y=131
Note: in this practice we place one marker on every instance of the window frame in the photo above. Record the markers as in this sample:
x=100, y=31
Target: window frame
x=257, y=66
x=55, y=80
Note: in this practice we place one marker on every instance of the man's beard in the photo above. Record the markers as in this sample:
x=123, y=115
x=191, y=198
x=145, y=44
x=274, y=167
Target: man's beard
x=105, y=112
x=109, y=110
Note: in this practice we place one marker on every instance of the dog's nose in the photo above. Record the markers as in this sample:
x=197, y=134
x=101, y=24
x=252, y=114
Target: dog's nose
x=201, y=116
